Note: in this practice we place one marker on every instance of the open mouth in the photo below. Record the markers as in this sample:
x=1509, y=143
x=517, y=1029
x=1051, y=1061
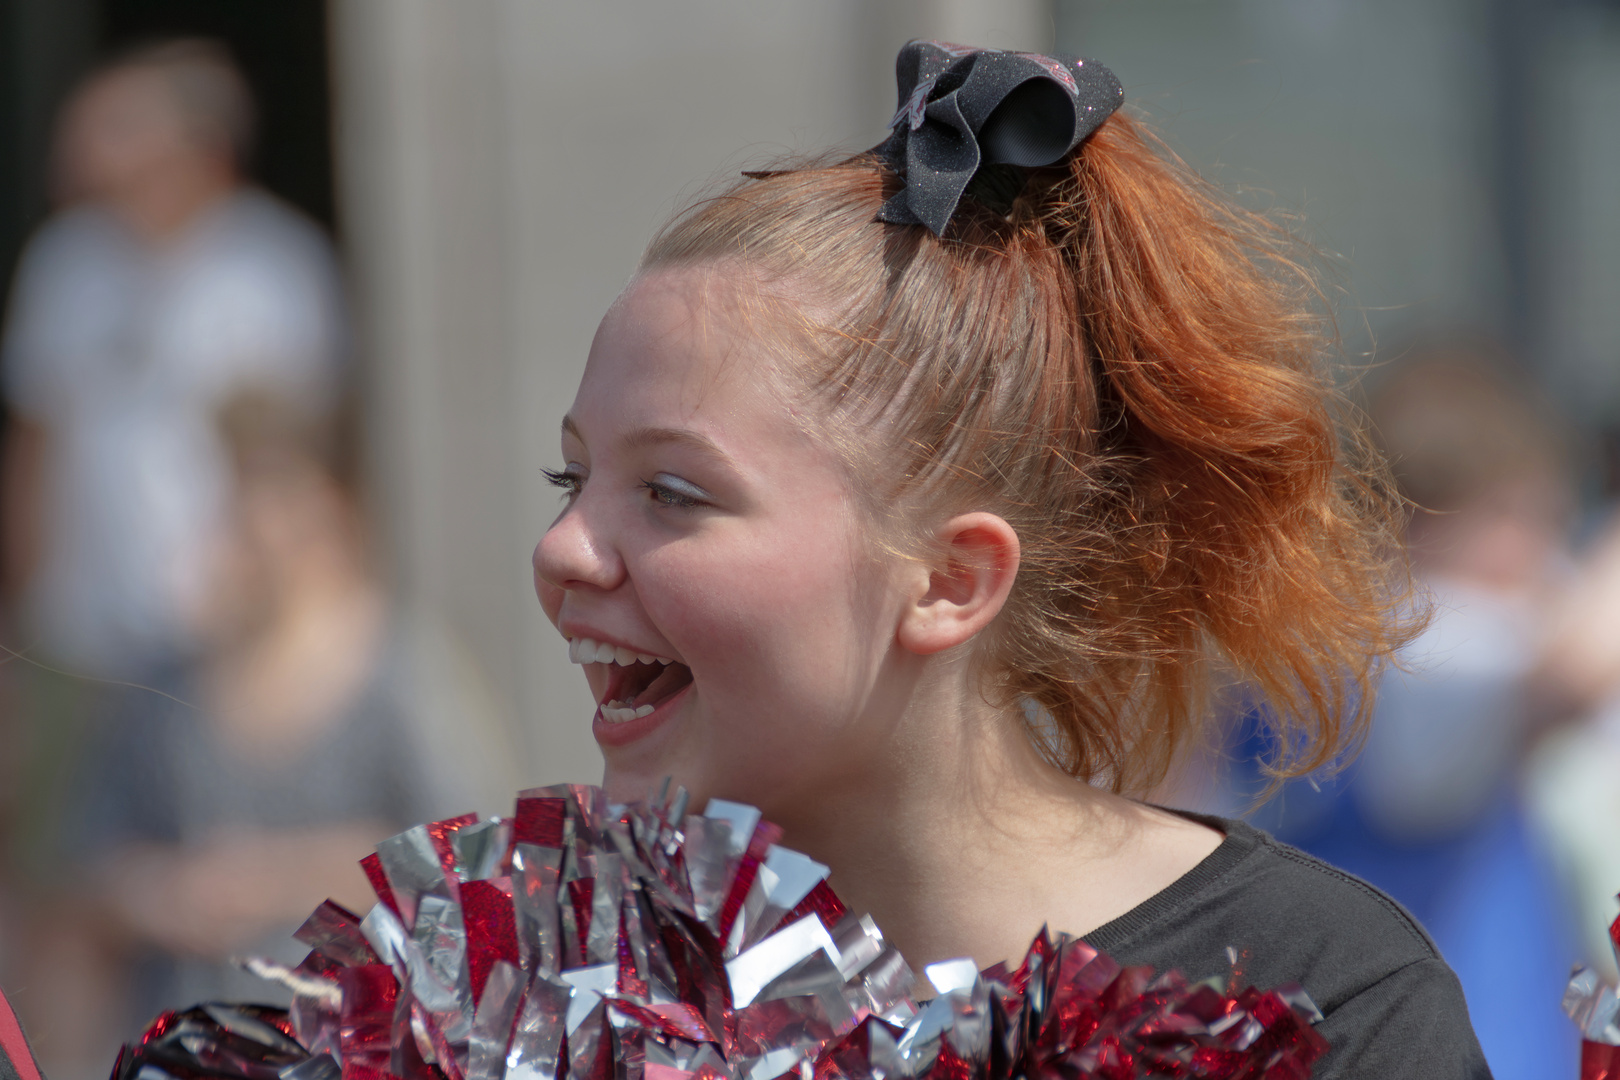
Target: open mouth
x=637, y=683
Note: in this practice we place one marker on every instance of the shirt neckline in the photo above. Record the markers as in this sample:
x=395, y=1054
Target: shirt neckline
x=1241, y=839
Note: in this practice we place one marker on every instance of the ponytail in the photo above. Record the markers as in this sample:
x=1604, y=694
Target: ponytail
x=1132, y=371
x=1270, y=524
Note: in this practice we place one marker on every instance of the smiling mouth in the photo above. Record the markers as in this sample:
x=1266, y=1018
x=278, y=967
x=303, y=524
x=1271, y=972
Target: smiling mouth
x=637, y=683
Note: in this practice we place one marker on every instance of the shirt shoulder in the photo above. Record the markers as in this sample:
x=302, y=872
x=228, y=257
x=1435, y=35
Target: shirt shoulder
x=1270, y=914
x=73, y=276
x=1269, y=909
x=82, y=232
x=1329, y=914
x=253, y=296
x=256, y=228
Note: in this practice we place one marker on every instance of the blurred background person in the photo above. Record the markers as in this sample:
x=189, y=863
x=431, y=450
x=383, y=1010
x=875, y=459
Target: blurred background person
x=164, y=286
x=1574, y=775
x=220, y=798
x=1433, y=810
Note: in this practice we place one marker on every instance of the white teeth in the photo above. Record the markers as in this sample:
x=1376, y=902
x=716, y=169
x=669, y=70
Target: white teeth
x=584, y=650
x=617, y=712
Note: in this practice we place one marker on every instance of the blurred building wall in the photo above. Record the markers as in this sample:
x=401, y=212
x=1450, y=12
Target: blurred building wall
x=1371, y=119
x=502, y=163
x=1573, y=152
x=1455, y=159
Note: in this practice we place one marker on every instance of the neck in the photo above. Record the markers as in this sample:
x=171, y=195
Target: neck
x=965, y=841
x=959, y=823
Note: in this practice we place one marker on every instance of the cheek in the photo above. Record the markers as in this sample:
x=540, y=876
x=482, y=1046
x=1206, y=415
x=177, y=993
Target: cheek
x=777, y=617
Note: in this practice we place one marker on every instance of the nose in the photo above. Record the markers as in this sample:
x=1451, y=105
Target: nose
x=574, y=554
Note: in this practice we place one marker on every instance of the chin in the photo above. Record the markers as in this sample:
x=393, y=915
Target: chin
x=626, y=785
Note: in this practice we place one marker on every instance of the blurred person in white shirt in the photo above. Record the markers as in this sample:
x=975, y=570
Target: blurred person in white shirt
x=165, y=286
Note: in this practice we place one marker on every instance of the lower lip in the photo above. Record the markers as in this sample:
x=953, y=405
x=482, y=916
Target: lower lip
x=625, y=732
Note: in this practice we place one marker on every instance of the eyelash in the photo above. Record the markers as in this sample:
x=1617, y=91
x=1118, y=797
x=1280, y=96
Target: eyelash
x=567, y=481
x=570, y=483
x=668, y=496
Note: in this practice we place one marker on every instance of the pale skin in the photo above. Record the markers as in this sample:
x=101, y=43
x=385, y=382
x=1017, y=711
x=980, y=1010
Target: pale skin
x=832, y=684
x=126, y=143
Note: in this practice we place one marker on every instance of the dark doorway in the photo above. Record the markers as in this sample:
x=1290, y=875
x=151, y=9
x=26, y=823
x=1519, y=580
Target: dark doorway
x=45, y=46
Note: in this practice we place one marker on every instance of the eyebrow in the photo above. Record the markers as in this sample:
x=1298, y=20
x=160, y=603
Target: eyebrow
x=642, y=437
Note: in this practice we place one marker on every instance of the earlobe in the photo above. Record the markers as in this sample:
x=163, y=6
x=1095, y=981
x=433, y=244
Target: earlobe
x=966, y=587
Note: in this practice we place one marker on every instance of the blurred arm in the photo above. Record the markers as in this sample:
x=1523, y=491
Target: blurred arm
x=242, y=883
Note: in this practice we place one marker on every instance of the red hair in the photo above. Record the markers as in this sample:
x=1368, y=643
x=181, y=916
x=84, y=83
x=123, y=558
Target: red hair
x=1132, y=371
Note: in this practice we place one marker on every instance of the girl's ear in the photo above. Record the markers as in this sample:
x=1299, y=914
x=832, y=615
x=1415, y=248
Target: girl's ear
x=965, y=588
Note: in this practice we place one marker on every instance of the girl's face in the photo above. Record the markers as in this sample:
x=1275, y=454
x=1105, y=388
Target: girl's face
x=710, y=569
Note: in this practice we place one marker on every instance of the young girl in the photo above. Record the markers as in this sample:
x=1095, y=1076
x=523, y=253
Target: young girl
x=924, y=498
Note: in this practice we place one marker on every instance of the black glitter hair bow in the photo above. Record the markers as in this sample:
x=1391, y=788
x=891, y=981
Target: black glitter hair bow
x=981, y=117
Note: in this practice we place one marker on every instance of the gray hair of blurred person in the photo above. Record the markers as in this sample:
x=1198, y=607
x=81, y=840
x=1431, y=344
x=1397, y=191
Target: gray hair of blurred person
x=209, y=92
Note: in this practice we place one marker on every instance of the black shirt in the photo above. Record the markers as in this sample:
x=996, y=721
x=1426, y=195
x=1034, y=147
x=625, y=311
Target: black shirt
x=1391, y=1007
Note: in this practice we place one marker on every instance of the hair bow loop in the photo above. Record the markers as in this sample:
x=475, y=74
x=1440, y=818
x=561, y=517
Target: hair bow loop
x=964, y=109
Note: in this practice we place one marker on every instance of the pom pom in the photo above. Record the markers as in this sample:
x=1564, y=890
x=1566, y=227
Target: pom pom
x=580, y=940
x=1595, y=1008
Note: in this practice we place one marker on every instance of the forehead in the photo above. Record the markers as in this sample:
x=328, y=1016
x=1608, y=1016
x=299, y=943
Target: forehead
x=685, y=340
x=123, y=94
x=682, y=363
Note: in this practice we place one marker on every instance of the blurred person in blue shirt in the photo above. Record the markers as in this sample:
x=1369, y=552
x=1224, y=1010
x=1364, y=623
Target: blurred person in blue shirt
x=1432, y=811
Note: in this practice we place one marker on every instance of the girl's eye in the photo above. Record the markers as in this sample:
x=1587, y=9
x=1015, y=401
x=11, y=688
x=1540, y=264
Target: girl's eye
x=570, y=479
x=673, y=491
